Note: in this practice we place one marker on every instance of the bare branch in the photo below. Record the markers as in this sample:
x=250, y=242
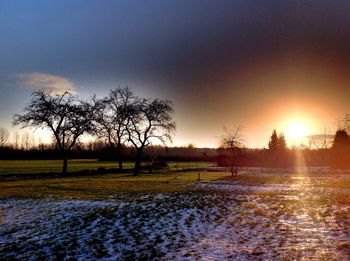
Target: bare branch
x=67, y=117
x=4, y=136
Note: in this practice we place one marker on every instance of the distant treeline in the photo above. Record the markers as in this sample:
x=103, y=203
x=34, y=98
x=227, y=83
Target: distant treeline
x=286, y=158
x=337, y=155
x=106, y=153
x=247, y=158
x=124, y=127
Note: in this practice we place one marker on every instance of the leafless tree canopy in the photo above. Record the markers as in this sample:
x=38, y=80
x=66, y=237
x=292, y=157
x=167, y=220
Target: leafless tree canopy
x=119, y=118
x=232, y=139
x=233, y=142
x=67, y=117
x=4, y=136
x=26, y=141
x=149, y=120
x=344, y=123
x=112, y=116
x=320, y=141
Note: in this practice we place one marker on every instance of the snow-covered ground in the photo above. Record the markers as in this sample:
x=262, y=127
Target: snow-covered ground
x=220, y=221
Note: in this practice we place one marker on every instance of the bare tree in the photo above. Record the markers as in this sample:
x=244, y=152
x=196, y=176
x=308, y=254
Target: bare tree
x=321, y=141
x=4, y=136
x=149, y=120
x=232, y=141
x=67, y=117
x=344, y=123
x=112, y=118
x=16, y=138
x=25, y=145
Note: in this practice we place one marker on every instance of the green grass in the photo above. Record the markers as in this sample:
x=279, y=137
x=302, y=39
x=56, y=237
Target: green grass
x=45, y=166
x=173, y=179
x=101, y=187
x=95, y=186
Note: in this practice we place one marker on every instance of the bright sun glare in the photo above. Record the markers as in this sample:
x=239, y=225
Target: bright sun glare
x=296, y=132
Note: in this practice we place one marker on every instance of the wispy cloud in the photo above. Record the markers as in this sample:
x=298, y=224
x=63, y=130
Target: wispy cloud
x=41, y=81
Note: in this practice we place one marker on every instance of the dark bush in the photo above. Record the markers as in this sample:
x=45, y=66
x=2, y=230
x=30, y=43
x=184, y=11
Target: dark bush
x=101, y=170
x=159, y=164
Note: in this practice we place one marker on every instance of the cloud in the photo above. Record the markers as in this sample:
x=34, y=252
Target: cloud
x=41, y=81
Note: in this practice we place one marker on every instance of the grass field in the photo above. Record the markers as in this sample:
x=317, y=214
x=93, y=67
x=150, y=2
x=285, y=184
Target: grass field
x=101, y=187
x=94, y=186
x=45, y=166
x=260, y=214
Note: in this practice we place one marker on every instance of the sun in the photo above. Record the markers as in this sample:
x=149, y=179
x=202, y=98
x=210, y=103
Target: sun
x=296, y=132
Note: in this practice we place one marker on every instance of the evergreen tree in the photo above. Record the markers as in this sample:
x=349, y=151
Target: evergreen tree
x=341, y=149
x=341, y=140
x=282, y=145
x=273, y=143
x=277, y=142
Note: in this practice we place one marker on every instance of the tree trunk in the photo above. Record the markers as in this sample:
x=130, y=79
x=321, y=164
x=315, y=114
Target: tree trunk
x=137, y=162
x=120, y=163
x=234, y=165
x=120, y=160
x=65, y=164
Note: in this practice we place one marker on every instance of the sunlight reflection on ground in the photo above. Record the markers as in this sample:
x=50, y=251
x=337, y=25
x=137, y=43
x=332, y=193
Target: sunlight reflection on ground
x=287, y=216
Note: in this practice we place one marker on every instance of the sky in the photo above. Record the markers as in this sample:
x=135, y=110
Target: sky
x=259, y=65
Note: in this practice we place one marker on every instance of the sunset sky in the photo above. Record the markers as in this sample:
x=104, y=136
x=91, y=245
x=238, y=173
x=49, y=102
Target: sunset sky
x=256, y=64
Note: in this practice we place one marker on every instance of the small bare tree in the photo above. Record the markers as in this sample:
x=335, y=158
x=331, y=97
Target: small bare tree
x=112, y=117
x=4, y=136
x=16, y=138
x=67, y=117
x=25, y=144
x=320, y=141
x=232, y=141
x=344, y=123
x=149, y=120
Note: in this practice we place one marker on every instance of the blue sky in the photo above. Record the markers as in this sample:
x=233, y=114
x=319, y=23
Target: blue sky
x=221, y=62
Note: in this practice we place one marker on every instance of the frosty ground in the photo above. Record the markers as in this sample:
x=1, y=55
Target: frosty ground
x=261, y=214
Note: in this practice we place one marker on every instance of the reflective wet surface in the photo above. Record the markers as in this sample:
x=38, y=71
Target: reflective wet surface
x=276, y=216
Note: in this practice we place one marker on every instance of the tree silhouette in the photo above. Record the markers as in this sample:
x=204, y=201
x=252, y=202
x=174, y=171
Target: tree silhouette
x=344, y=123
x=277, y=142
x=149, y=120
x=232, y=141
x=321, y=141
x=341, y=140
x=112, y=117
x=282, y=145
x=274, y=142
x=67, y=117
x=341, y=149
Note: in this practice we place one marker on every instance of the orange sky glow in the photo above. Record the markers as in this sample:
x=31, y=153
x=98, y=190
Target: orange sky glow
x=305, y=89
x=280, y=65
